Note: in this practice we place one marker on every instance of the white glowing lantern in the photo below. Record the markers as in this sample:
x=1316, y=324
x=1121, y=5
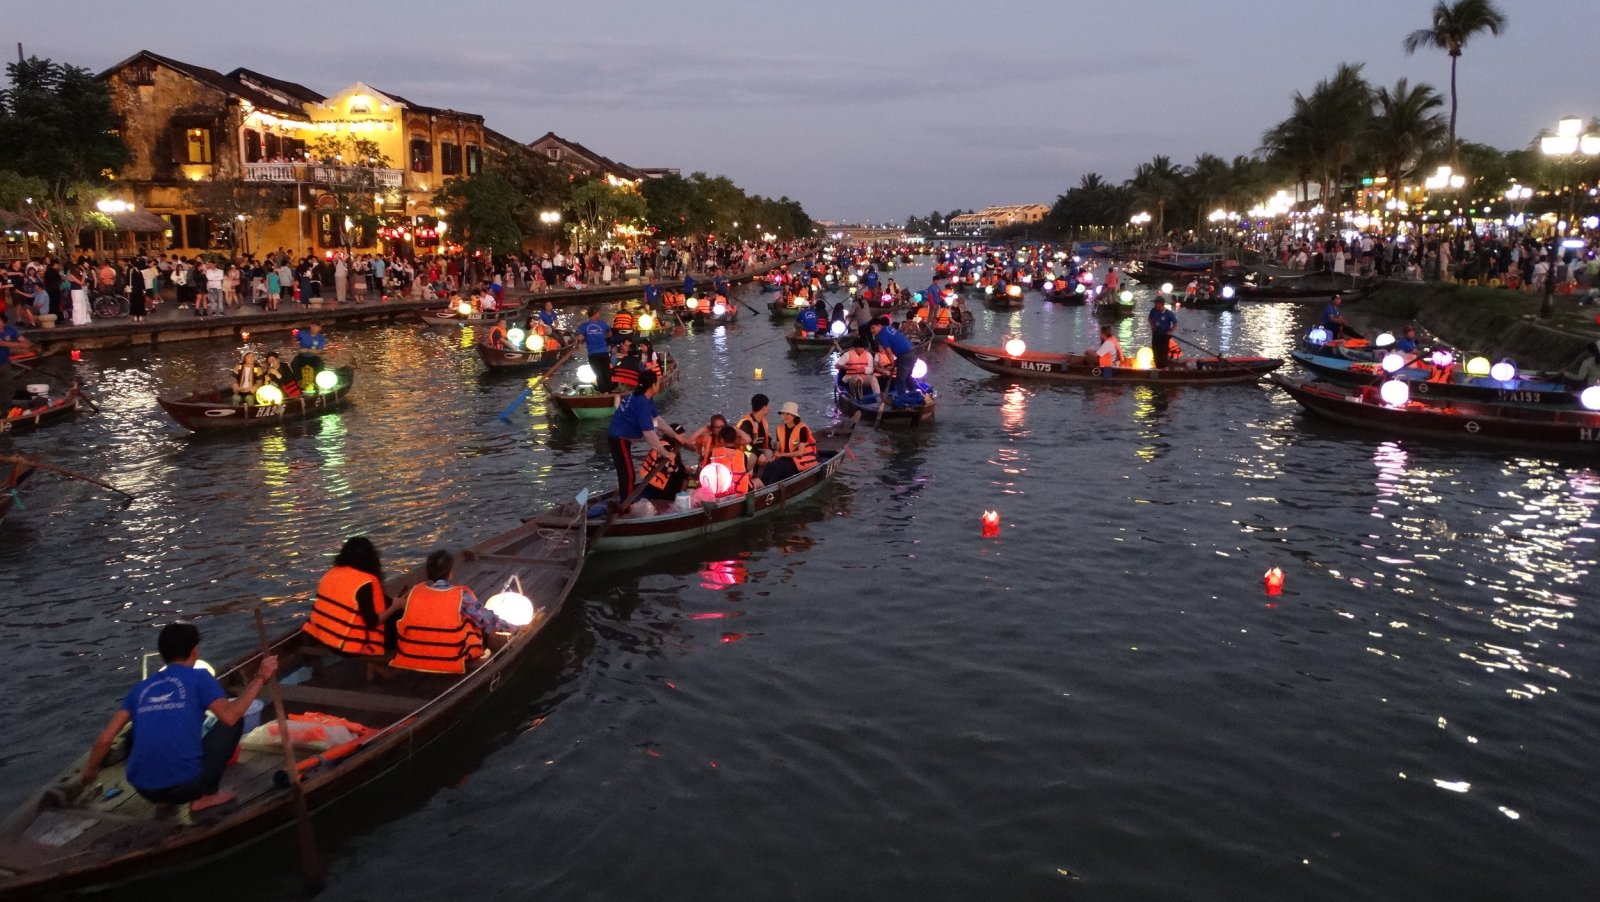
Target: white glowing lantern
x=1166, y=287
x=512, y=607
x=464, y=308
x=1590, y=397
x=534, y=343
x=1126, y=297
x=1442, y=357
x=1478, y=366
x=692, y=303
x=1384, y=340
x=1504, y=371
x=1016, y=347
x=586, y=374
x=1318, y=336
x=646, y=322
x=1395, y=393
x=327, y=380
x=716, y=477
x=269, y=395
x=920, y=370
x=853, y=279
x=515, y=337
x=988, y=289
x=1144, y=359
x=1049, y=286
x=1393, y=363
x=1227, y=292
x=1014, y=291
x=838, y=328
x=719, y=309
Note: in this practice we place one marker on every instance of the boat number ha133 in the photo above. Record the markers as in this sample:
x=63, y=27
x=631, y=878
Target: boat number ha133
x=273, y=410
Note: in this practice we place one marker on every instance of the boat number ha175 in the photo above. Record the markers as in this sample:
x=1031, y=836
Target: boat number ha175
x=1036, y=365
x=271, y=410
x=1524, y=397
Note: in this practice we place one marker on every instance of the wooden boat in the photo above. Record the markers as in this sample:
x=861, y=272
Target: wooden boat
x=450, y=316
x=588, y=403
x=781, y=309
x=1288, y=292
x=1067, y=295
x=71, y=837
x=705, y=313
x=1459, y=421
x=214, y=410
x=1002, y=299
x=1113, y=309
x=506, y=360
x=1217, y=301
x=16, y=472
x=960, y=324
x=41, y=411
x=821, y=342
x=1179, y=263
x=670, y=524
x=1071, y=368
x=867, y=406
x=1529, y=391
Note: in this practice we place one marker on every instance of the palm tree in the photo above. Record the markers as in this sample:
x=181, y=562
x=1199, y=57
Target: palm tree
x=1157, y=183
x=1324, y=131
x=1210, y=184
x=1405, y=126
x=1453, y=24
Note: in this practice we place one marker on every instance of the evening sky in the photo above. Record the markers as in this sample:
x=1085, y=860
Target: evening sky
x=861, y=110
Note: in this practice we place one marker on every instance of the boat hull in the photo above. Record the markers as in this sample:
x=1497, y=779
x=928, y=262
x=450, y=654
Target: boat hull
x=210, y=412
x=599, y=405
x=1061, y=368
x=505, y=360
x=37, y=418
x=1483, y=390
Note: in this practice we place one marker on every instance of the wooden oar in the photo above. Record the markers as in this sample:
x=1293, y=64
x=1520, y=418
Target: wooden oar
x=632, y=497
x=1217, y=356
x=16, y=459
x=748, y=307
x=310, y=858
x=505, y=415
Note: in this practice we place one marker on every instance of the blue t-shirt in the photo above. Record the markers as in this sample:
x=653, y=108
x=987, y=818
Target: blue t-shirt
x=1405, y=345
x=635, y=415
x=169, y=711
x=807, y=319
x=8, y=332
x=548, y=317
x=652, y=295
x=1331, y=315
x=594, y=334
x=895, y=340
x=872, y=278
x=688, y=286
x=1162, y=322
x=721, y=284
x=309, y=342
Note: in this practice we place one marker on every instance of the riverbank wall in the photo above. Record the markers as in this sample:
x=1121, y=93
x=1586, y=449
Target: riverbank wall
x=1492, y=321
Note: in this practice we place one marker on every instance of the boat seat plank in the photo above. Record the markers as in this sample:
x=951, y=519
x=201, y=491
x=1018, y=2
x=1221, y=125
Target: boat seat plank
x=351, y=700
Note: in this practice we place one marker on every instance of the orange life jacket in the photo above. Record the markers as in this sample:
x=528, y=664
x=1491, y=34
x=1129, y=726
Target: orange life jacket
x=1115, y=357
x=497, y=336
x=335, y=619
x=941, y=318
x=435, y=636
x=757, y=430
x=738, y=463
x=1173, y=351
x=800, y=439
x=624, y=376
x=622, y=322
x=659, y=478
x=857, y=362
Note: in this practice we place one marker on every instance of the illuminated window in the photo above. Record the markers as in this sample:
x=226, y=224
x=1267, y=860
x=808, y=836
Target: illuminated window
x=199, y=145
x=361, y=103
x=421, y=155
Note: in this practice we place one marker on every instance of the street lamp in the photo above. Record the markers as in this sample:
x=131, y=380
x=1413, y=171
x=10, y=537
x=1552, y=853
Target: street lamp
x=550, y=218
x=1566, y=145
x=1518, y=196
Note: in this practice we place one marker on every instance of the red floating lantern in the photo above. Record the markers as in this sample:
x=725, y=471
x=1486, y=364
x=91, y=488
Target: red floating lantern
x=77, y=355
x=1274, y=581
x=244, y=335
x=991, y=524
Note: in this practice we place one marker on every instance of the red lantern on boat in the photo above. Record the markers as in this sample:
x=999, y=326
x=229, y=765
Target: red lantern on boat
x=991, y=524
x=1274, y=581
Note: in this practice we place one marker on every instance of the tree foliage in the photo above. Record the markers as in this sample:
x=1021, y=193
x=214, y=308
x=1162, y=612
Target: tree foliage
x=483, y=209
x=1455, y=23
x=355, y=184
x=247, y=207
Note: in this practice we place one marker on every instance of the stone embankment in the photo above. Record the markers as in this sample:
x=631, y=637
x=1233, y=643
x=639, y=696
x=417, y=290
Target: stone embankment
x=1491, y=321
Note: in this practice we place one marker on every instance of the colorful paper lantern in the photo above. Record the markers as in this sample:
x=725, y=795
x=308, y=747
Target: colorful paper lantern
x=1395, y=393
x=1016, y=347
x=269, y=395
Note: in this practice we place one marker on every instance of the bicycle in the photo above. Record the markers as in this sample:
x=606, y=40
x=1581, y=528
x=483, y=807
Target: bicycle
x=109, y=306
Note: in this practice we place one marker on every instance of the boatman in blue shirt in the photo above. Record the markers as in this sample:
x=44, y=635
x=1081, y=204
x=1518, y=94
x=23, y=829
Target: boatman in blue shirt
x=806, y=321
x=1162, y=325
x=719, y=283
x=871, y=281
x=596, y=338
x=636, y=420
x=174, y=758
x=652, y=295
x=10, y=340
x=896, y=342
x=1333, y=317
x=312, y=339
x=689, y=285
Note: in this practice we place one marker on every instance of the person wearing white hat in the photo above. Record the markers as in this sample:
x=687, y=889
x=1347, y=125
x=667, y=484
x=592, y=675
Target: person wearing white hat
x=795, y=447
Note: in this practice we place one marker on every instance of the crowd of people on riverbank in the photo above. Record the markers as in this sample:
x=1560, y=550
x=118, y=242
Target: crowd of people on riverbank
x=1515, y=262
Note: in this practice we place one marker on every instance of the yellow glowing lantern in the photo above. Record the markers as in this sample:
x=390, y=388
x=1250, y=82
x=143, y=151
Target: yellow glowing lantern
x=692, y=303
x=327, y=380
x=1478, y=366
x=464, y=308
x=646, y=322
x=512, y=607
x=269, y=395
x=586, y=374
x=1144, y=359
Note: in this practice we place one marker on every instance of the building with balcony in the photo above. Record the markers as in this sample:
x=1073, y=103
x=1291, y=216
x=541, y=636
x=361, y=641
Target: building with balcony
x=187, y=126
x=991, y=218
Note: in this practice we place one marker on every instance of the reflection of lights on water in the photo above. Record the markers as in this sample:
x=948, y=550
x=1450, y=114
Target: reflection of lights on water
x=1013, y=409
x=719, y=575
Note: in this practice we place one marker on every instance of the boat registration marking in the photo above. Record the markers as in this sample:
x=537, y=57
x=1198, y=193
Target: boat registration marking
x=1473, y=427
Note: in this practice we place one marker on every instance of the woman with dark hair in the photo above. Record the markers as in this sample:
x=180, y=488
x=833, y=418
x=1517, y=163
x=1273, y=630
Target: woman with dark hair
x=349, y=613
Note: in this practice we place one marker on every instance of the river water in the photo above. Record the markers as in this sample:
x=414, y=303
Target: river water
x=866, y=699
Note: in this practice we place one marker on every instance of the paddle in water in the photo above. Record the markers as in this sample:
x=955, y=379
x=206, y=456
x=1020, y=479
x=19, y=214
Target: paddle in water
x=1218, y=357
x=310, y=858
x=505, y=415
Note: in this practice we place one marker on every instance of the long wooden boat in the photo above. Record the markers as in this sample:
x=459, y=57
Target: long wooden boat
x=449, y=316
x=820, y=342
x=669, y=524
x=1003, y=300
x=215, y=411
x=1113, y=309
x=588, y=403
x=506, y=360
x=1071, y=368
x=867, y=406
x=960, y=325
x=1492, y=424
x=1067, y=295
x=70, y=837
x=41, y=412
x=1279, y=292
x=780, y=309
x=1531, y=392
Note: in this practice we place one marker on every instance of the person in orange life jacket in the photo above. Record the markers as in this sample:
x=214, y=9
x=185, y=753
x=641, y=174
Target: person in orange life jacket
x=636, y=420
x=895, y=342
x=596, y=338
x=664, y=483
x=805, y=322
x=702, y=440
x=650, y=359
x=497, y=336
x=443, y=626
x=350, y=613
x=795, y=449
x=855, y=368
x=625, y=370
x=727, y=449
x=622, y=322
x=1109, y=353
x=754, y=424
x=174, y=759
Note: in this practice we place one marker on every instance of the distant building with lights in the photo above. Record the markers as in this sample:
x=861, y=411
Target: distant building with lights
x=990, y=219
